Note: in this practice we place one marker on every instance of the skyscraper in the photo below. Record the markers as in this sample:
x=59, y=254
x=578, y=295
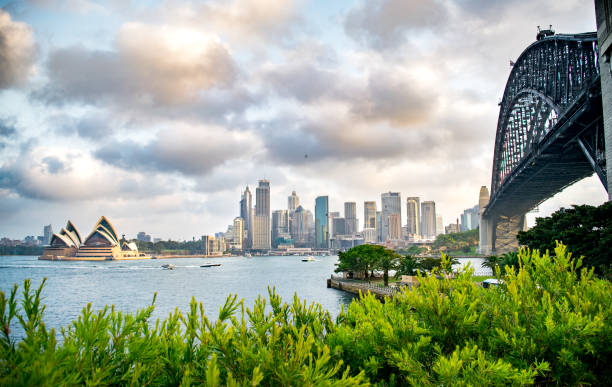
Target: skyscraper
x=261, y=221
x=391, y=204
x=369, y=215
x=293, y=201
x=440, y=224
x=47, y=234
x=280, y=226
x=379, y=233
x=238, y=234
x=246, y=213
x=300, y=226
x=350, y=216
x=395, y=227
x=413, y=215
x=428, y=219
x=322, y=222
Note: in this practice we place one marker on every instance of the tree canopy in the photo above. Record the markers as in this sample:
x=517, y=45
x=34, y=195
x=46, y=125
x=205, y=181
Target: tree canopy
x=586, y=230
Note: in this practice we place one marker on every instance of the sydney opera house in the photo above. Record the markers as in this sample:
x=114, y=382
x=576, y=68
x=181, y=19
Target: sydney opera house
x=102, y=244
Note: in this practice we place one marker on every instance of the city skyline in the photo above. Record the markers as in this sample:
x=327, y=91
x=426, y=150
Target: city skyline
x=308, y=95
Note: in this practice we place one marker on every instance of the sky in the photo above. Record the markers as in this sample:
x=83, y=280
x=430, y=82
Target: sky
x=157, y=114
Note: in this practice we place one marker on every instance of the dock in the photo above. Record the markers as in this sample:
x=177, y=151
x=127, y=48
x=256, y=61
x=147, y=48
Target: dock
x=353, y=286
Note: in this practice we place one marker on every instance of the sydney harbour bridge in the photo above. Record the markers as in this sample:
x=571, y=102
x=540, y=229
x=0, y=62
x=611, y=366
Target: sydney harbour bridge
x=550, y=133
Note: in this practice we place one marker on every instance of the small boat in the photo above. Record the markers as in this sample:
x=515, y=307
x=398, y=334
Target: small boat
x=309, y=259
x=248, y=255
x=168, y=266
x=211, y=265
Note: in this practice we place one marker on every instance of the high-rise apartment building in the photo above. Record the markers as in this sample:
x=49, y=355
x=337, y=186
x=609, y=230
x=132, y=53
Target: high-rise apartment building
x=293, y=201
x=47, y=234
x=350, y=216
x=322, y=222
x=391, y=204
x=238, y=234
x=428, y=219
x=246, y=213
x=369, y=215
x=261, y=221
x=413, y=216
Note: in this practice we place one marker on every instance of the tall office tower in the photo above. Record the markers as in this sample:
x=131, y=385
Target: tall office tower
x=440, y=224
x=280, y=226
x=261, y=221
x=395, y=227
x=369, y=215
x=322, y=222
x=428, y=219
x=47, y=234
x=311, y=228
x=246, y=213
x=413, y=215
x=469, y=218
x=330, y=217
x=293, y=201
x=238, y=231
x=350, y=215
x=369, y=235
x=391, y=203
x=299, y=227
x=379, y=234
x=338, y=226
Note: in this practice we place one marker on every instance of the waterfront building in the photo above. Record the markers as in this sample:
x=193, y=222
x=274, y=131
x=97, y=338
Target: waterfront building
x=100, y=245
x=428, y=219
x=293, y=201
x=322, y=222
x=413, y=216
x=47, y=234
x=246, y=213
x=350, y=216
x=238, y=234
x=213, y=246
x=391, y=204
x=369, y=215
x=439, y=224
x=452, y=228
x=369, y=235
x=261, y=221
x=395, y=227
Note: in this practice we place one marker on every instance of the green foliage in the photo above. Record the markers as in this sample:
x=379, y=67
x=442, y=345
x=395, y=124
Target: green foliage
x=547, y=324
x=586, y=230
x=463, y=242
x=507, y=259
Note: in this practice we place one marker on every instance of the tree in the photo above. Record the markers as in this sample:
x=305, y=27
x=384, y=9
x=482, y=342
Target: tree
x=586, y=230
x=407, y=265
x=367, y=258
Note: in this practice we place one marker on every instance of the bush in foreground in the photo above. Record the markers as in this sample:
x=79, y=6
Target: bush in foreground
x=545, y=325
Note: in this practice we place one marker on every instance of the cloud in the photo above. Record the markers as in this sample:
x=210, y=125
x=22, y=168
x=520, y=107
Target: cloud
x=187, y=150
x=151, y=65
x=385, y=24
x=17, y=51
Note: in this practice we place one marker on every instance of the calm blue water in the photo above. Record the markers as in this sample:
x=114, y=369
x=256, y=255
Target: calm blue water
x=130, y=285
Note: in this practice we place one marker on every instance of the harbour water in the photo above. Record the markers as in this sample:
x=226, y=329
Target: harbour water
x=130, y=285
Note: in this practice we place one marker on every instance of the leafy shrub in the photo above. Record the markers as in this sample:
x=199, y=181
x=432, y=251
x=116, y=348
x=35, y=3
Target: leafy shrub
x=546, y=324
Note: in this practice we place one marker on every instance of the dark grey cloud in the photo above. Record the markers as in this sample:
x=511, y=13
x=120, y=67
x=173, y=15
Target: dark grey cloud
x=17, y=51
x=385, y=24
x=7, y=127
x=303, y=81
x=93, y=126
x=193, y=151
x=53, y=164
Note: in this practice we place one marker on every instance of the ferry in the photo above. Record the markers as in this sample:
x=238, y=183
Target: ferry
x=309, y=259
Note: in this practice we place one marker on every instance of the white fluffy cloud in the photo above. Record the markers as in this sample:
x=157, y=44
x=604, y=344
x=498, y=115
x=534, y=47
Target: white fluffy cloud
x=17, y=51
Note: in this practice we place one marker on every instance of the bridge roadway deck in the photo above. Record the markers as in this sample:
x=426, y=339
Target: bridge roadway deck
x=555, y=165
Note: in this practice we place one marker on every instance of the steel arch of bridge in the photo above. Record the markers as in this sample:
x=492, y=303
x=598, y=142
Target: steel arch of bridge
x=546, y=81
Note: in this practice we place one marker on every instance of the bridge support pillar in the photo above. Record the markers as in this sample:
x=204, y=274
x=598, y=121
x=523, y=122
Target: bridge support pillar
x=505, y=230
x=485, y=245
x=604, y=35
